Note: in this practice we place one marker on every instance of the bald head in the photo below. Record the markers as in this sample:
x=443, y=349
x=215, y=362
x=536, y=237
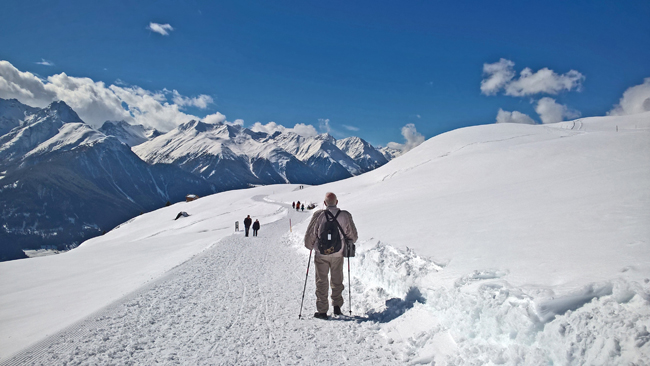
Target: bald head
x=330, y=199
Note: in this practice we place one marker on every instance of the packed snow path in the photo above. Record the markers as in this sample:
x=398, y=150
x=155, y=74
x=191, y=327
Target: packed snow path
x=236, y=303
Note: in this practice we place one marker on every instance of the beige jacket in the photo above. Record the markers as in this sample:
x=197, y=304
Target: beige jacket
x=318, y=219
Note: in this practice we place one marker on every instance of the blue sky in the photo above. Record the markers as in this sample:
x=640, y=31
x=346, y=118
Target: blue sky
x=373, y=66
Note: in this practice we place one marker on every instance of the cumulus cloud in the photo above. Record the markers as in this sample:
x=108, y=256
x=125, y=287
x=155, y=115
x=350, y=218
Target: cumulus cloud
x=202, y=101
x=214, y=118
x=514, y=117
x=496, y=76
x=162, y=29
x=95, y=102
x=272, y=127
x=550, y=111
x=45, y=62
x=411, y=135
x=635, y=99
x=543, y=81
x=24, y=86
x=501, y=76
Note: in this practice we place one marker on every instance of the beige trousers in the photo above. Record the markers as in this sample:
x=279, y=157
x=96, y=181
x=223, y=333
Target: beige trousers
x=325, y=264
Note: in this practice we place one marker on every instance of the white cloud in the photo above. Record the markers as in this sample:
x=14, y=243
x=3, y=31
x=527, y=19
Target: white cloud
x=550, y=111
x=543, y=81
x=418, y=116
x=351, y=128
x=635, y=99
x=500, y=76
x=324, y=125
x=45, y=62
x=202, y=101
x=513, y=117
x=214, y=118
x=93, y=101
x=411, y=135
x=305, y=130
x=162, y=29
x=271, y=127
x=96, y=102
x=496, y=76
x=24, y=86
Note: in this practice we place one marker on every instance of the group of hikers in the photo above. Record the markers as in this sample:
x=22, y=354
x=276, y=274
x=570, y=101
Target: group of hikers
x=298, y=206
x=247, y=225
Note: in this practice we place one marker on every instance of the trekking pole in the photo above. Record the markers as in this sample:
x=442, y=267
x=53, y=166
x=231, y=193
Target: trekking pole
x=349, y=286
x=305, y=287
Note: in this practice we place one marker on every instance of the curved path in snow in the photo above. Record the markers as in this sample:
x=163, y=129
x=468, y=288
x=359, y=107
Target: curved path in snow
x=235, y=303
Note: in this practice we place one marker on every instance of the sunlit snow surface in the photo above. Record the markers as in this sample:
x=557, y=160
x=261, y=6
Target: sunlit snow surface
x=500, y=244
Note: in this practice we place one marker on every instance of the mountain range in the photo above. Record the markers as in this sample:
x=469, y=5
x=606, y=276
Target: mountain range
x=62, y=181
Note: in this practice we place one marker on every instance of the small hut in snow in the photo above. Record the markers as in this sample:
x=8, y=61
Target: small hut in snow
x=191, y=197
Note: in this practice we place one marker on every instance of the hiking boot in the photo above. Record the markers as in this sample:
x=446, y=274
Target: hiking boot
x=320, y=316
x=337, y=310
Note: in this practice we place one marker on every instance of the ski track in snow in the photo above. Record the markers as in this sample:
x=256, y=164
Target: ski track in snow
x=236, y=303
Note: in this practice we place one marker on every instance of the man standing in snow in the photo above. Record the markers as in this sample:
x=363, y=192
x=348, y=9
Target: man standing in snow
x=247, y=223
x=332, y=262
x=256, y=226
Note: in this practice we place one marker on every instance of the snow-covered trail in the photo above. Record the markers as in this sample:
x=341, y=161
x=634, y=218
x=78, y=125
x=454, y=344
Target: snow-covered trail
x=236, y=303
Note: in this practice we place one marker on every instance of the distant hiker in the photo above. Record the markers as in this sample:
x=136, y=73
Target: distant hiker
x=297, y=205
x=293, y=205
x=256, y=226
x=247, y=223
x=328, y=232
x=302, y=207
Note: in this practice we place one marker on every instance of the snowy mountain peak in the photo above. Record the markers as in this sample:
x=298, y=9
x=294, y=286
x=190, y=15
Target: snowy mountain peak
x=366, y=156
x=34, y=130
x=12, y=114
x=132, y=135
x=60, y=110
x=69, y=137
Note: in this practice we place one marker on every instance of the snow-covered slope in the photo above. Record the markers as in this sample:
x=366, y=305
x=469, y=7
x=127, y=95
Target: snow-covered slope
x=129, y=134
x=499, y=244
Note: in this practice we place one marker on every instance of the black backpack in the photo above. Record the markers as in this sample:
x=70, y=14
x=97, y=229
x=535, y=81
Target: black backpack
x=329, y=238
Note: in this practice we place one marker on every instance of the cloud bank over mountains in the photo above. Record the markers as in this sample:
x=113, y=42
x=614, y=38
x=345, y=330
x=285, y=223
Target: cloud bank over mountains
x=164, y=110
x=96, y=102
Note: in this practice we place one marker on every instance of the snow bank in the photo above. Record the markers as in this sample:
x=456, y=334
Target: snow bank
x=529, y=244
